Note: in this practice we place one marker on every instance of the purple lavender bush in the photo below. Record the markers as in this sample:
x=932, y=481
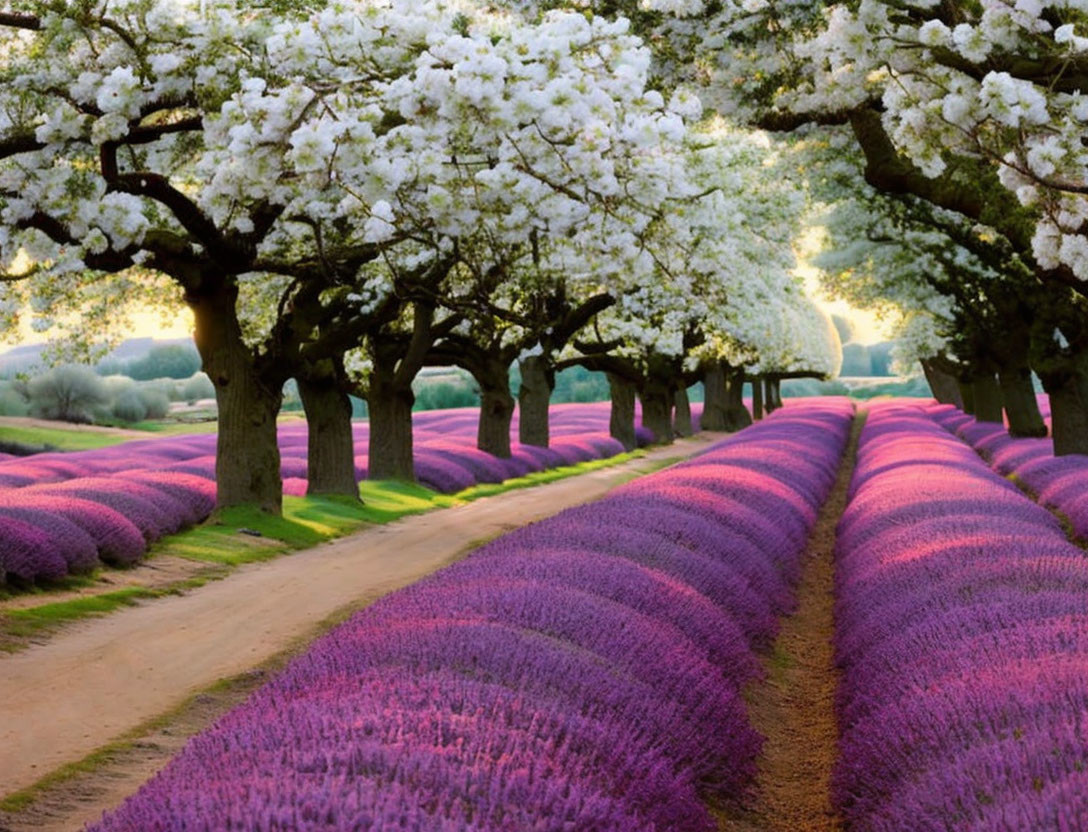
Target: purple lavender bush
x=584, y=672
x=961, y=611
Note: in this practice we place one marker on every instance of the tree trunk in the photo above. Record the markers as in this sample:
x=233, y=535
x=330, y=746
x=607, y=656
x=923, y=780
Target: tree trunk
x=774, y=392
x=1069, y=413
x=715, y=399
x=621, y=421
x=682, y=422
x=736, y=414
x=768, y=396
x=330, y=459
x=534, y=397
x=943, y=386
x=1021, y=406
x=247, y=454
x=496, y=410
x=967, y=396
x=657, y=403
x=987, y=399
x=757, y=398
x=390, y=407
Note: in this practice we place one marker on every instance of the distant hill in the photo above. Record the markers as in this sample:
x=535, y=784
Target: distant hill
x=29, y=356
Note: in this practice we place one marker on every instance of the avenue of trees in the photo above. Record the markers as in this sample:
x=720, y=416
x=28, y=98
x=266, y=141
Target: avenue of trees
x=948, y=138
x=345, y=193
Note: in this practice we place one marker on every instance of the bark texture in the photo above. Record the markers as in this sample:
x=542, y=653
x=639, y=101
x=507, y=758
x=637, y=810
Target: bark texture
x=942, y=385
x=757, y=398
x=1021, y=406
x=736, y=414
x=967, y=396
x=657, y=404
x=247, y=456
x=389, y=402
x=987, y=398
x=496, y=409
x=534, y=397
x=715, y=399
x=330, y=446
x=682, y=422
x=621, y=420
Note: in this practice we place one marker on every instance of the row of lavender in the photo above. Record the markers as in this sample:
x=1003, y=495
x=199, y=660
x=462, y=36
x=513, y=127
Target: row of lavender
x=581, y=673
x=962, y=631
x=1060, y=483
x=63, y=513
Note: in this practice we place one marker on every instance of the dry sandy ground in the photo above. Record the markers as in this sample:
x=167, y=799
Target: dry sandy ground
x=104, y=677
x=794, y=706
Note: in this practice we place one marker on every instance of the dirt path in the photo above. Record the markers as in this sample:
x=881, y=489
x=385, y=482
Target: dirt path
x=93, y=683
x=794, y=706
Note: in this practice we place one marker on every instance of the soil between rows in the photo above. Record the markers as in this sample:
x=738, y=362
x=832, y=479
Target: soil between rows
x=793, y=707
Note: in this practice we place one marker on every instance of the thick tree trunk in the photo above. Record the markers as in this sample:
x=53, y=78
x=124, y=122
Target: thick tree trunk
x=757, y=398
x=715, y=399
x=987, y=399
x=967, y=396
x=390, y=407
x=534, y=397
x=1069, y=414
x=657, y=403
x=621, y=421
x=736, y=414
x=247, y=455
x=682, y=421
x=768, y=396
x=330, y=460
x=1021, y=406
x=496, y=410
x=943, y=386
x=774, y=393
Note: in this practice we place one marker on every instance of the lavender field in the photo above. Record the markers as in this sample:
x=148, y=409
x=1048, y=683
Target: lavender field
x=511, y=690
x=609, y=667
x=66, y=513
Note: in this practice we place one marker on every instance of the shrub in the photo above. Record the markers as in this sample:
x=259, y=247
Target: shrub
x=129, y=406
x=69, y=393
x=156, y=403
x=197, y=387
x=12, y=402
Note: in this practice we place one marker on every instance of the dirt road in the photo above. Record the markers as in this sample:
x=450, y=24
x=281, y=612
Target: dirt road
x=91, y=684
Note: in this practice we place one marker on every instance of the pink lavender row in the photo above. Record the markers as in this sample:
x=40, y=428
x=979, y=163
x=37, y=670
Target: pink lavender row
x=580, y=673
x=57, y=529
x=961, y=632
x=445, y=444
x=65, y=513
x=1059, y=483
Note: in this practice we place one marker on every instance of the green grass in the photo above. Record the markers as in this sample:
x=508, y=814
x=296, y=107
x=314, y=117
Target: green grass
x=60, y=438
x=18, y=625
x=24, y=623
x=308, y=521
